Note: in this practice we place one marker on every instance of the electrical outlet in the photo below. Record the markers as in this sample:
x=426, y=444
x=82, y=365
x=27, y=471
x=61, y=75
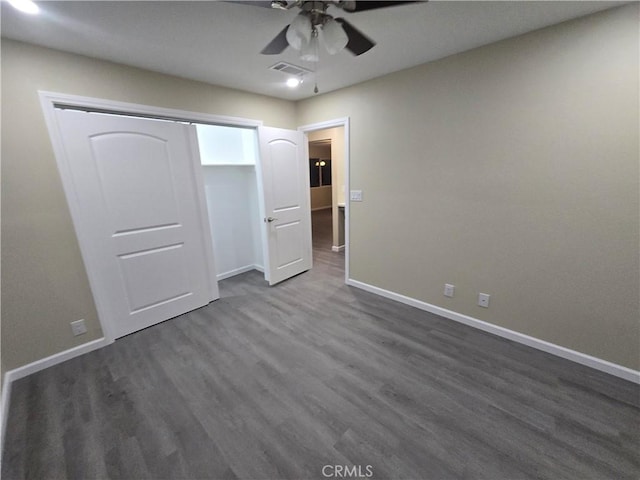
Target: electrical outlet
x=448, y=290
x=78, y=327
x=483, y=300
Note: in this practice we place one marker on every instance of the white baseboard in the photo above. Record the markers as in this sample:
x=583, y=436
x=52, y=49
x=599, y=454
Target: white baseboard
x=25, y=370
x=4, y=412
x=337, y=248
x=59, y=357
x=238, y=271
x=566, y=353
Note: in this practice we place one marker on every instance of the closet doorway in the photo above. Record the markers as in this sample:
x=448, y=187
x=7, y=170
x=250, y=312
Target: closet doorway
x=257, y=200
x=229, y=157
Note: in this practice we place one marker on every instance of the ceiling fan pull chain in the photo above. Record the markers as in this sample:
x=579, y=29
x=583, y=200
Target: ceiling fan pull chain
x=315, y=78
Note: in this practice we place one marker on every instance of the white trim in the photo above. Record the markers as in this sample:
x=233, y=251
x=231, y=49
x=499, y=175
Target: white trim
x=55, y=359
x=4, y=412
x=339, y=122
x=238, y=271
x=26, y=370
x=336, y=122
x=140, y=110
x=264, y=238
x=50, y=100
x=337, y=248
x=566, y=353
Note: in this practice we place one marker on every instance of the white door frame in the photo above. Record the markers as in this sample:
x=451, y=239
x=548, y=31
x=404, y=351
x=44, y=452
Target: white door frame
x=49, y=101
x=338, y=122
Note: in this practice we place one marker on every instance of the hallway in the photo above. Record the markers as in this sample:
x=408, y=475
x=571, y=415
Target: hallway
x=322, y=231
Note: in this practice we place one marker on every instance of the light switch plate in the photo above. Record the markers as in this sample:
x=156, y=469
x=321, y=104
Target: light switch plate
x=356, y=195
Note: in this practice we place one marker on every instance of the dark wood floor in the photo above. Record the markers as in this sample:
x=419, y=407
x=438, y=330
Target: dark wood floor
x=276, y=383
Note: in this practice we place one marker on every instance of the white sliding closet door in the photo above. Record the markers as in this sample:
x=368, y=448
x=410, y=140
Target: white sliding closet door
x=139, y=217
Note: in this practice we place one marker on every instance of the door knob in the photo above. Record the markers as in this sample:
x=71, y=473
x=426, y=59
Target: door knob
x=270, y=219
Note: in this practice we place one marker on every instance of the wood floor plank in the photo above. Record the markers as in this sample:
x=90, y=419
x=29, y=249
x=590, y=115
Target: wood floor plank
x=279, y=382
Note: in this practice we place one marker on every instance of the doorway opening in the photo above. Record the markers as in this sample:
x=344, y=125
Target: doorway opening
x=321, y=193
x=327, y=179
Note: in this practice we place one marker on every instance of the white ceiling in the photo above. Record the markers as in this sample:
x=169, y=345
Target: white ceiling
x=219, y=42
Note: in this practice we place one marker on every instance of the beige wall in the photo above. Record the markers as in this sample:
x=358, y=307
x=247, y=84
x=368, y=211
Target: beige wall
x=320, y=197
x=319, y=150
x=44, y=284
x=512, y=169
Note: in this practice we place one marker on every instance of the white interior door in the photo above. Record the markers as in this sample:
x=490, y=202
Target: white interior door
x=139, y=219
x=285, y=182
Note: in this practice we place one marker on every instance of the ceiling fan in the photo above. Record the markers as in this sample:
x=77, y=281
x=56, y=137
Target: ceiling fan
x=314, y=22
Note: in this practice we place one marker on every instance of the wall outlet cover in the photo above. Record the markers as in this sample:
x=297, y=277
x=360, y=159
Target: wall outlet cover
x=449, y=290
x=78, y=327
x=483, y=300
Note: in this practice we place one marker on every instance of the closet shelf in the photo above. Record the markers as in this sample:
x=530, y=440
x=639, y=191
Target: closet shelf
x=228, y=164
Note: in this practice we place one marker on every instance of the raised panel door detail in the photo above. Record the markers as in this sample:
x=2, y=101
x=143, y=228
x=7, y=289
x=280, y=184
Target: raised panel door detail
x=155, y=276
x=285, y=175
x=136, y=181
x=290, y=241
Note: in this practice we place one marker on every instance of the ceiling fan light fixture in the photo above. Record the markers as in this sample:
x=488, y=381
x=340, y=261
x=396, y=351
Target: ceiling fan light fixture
x=279, y=4
x=335, y=38
x=309, y=50
x=299, y=32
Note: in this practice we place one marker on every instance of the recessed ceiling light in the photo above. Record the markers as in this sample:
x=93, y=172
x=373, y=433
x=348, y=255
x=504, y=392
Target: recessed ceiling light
x=26, y=6
x=293, y=82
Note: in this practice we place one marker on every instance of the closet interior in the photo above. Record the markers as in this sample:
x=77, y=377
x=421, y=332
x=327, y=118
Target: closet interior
x=228, y=156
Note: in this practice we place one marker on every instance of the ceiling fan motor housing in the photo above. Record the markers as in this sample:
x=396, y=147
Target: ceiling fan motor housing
x=314, y=14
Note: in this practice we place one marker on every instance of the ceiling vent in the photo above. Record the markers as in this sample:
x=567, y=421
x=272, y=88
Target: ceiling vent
x=289, y=69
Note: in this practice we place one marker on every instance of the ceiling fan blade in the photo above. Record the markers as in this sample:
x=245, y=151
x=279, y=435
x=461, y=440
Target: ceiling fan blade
x=358, y=42
x=278, y=44
x=362, y=5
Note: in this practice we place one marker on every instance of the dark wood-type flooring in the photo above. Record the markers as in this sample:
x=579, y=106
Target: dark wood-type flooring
x=276, y=383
